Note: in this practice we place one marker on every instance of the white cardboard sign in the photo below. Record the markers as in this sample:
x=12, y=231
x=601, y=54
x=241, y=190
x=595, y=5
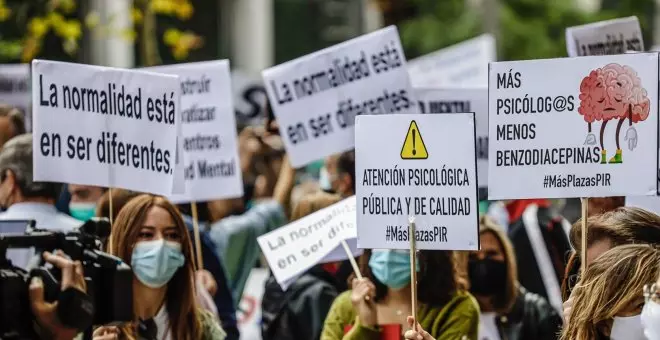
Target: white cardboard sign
x=616, y=36
x=104, y=126
x=337, y=254
x=315, y=98
x=208, y=131
x=589, y=128
x=461, y=100
x=462, y=65
x=298, y=246
x=15, y=88
x=421, y=166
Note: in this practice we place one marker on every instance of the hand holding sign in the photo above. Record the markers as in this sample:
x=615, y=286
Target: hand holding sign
x=362, y=297
x=416, y=333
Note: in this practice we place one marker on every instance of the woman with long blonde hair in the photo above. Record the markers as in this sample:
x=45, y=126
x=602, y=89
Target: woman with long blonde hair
x=625, y=225
x=150, y=234
x=609, y=297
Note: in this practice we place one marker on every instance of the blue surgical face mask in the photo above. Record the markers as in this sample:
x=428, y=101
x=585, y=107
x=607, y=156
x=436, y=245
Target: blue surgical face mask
x=155, y=262
x=391, y=267
x=83, y=211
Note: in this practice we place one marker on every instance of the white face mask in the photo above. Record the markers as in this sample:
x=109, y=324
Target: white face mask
x=627, y=328
x=651, y=320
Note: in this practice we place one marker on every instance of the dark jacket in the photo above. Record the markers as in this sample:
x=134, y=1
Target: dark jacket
x=298, y=313
x=531, y=317
x=223, y=298
x=556, y=242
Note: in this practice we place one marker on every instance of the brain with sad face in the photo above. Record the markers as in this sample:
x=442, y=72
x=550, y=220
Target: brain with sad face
x=608, y=93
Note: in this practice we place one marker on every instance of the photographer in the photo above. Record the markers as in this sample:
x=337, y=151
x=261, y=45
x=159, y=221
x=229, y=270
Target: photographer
x=25, y=199
x=48, y=324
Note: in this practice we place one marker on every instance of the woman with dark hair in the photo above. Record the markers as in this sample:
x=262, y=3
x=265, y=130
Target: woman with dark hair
x=508, y=310
x=382, y=297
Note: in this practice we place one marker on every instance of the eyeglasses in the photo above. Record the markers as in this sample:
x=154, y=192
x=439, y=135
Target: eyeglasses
x=651, y=293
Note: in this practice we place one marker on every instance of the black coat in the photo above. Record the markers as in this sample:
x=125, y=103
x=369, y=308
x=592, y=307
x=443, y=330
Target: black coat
x=556, y=243
x=298, y=313
x=531, y=317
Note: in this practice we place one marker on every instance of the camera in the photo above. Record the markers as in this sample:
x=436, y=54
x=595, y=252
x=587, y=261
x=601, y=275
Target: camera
x=109, y=298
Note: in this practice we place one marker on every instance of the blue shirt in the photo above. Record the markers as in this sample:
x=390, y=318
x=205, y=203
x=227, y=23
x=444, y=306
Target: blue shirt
x=223, y=297
x=235, y=239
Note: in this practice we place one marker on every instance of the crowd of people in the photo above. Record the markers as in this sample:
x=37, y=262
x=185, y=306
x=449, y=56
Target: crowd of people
x=526, y=281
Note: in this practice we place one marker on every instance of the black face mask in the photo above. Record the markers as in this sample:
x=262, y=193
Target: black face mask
x=487, y=277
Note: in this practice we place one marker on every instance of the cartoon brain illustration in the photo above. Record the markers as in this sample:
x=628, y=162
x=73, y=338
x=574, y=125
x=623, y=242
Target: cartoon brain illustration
x=613, y=92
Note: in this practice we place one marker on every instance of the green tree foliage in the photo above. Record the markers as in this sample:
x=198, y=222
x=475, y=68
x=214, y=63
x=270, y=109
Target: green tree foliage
x=528, y=29
x=54, y=29
x=437, y=24
x=643, y=9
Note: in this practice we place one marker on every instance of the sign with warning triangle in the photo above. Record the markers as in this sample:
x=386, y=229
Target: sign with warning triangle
x=413, y=145
x=440, y=192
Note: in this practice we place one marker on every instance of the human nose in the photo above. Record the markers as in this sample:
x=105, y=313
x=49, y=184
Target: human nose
x=158, y=235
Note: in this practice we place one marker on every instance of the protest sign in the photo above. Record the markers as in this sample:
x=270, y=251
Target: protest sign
x=315, y=98
x=457, y=100
x=339, y=253
x=250, y=98
x=616, y=36
x=249, y=308
x=336, y=255
x=208, y=131
x=551, y=128
x=15, y=88
x=296, y=247
x=422, y=166
x=462, y=65
x=106, y=127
